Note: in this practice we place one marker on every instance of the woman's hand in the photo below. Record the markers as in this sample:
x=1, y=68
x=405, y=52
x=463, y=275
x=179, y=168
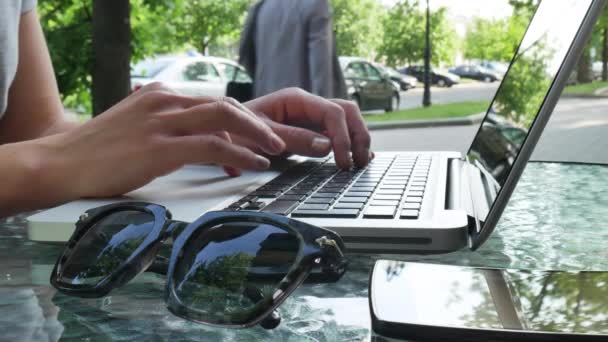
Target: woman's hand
x=312, y=126
x=151, y=133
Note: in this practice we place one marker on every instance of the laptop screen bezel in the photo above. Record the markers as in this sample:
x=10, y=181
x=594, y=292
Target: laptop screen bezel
x=481, y=230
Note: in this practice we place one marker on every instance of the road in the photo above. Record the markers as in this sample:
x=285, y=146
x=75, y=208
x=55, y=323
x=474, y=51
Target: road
x=577, y=132
x=476, y=91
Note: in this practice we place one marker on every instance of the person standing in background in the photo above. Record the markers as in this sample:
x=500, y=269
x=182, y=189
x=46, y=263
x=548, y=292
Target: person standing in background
x=290, y=43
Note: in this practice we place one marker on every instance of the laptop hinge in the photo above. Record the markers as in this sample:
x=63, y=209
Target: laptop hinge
x=471, y=190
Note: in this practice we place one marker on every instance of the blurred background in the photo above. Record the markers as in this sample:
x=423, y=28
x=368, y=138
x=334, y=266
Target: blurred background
x=104, y=50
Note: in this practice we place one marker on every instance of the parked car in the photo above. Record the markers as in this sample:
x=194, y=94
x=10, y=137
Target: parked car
x=499, y=142
x=496, y=67
x=368, y=86
x=189, y=75
x=476, y=72
x=403, y=82
x=438, y=77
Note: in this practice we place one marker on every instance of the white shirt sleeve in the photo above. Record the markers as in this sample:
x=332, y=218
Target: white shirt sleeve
x=28, y=5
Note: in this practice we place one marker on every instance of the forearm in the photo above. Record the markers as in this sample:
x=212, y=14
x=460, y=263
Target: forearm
x=31, y=178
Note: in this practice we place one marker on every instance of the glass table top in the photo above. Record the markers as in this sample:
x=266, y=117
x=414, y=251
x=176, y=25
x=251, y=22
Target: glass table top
x=554, y=221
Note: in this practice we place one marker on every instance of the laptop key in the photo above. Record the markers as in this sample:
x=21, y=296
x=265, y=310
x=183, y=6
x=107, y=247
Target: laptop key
x=392, y=187
x=319, y=201
x=381, y=203
x=409, y=214
x=291, y=198
x=313, y=207
x=267, y=194
x=298, y=192
x=389, y=192
x=411, y=199
x=353, y=199
x=281, y=207
x=380, y=212
x=256, y=205
x=362, y=189
x=346, y=205
x=412, y=206
x=357, y=194
x=325, y=195
x=416, y=193
x=337, y=213
x=387, y=197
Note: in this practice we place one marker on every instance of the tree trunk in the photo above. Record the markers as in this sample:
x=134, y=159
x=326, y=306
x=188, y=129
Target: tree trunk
x=111, y=53
x=605, y=55
x=584, y=68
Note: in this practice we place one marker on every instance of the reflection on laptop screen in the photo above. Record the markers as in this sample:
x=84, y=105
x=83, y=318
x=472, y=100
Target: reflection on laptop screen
x=525, y=86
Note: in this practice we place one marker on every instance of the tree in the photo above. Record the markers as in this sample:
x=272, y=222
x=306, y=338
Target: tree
x=111, y=53
x=203, y=22
x=404, y=35
x=357, y=25
x=495, y=40
x=156, y=26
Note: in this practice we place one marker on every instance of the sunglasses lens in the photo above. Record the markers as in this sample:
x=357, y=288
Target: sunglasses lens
x=229, y=273
x=105, y=246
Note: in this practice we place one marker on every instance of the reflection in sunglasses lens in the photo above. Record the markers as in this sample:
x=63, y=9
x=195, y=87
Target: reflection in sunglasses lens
x=105, y=246
x=231, y=271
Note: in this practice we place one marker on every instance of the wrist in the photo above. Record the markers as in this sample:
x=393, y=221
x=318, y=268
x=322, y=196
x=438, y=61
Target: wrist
x=34, y=178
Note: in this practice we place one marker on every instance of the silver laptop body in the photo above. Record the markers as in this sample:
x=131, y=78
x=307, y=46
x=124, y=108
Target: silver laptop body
x=464, y=196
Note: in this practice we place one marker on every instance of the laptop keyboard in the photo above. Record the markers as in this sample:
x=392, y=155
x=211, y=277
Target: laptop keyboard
x=317, y=188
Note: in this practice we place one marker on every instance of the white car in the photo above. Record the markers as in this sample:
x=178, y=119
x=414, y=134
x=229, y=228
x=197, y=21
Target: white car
x=193, y=76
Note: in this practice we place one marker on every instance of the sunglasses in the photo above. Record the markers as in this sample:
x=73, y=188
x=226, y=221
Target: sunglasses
x=229, y=269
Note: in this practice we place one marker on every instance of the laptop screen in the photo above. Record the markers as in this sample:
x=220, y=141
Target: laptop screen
x=523, y=90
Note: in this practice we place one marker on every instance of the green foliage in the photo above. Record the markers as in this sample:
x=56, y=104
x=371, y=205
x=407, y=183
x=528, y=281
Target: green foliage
x=67, y=26
x=495, y=40
x=158, y=26
x=523, y=92
x=404, y=35
x=357, y=24
x=204, y=22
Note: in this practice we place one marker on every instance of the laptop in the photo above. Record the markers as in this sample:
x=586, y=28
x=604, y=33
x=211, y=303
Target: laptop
x=428, y=202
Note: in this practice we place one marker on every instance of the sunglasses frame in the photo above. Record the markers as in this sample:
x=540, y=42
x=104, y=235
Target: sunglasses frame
x=317, y=247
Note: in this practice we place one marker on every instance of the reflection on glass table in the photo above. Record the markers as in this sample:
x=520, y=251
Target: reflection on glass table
x=555, y=220
x=499, y=304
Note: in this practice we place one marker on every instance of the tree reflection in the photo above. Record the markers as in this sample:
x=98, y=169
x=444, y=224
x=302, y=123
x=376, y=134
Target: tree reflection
x=550, y=301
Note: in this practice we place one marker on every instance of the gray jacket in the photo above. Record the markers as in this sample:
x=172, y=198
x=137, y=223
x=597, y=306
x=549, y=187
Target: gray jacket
x=290, y=43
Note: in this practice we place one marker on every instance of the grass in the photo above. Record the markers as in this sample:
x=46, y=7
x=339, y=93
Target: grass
x=452, y=110
x=585, y=88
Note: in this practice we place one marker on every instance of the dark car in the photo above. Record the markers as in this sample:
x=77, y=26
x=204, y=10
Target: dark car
x=476, y=72
x=499, y=142
x=439, y=78
x=368, y=86
x=403, y=82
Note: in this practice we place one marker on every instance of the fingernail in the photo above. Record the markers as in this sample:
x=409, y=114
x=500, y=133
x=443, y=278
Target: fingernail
x=321, y=144
x=232, y=172
x=262, y=163
x=278, y=146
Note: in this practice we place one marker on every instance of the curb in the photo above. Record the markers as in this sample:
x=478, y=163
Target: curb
x=464, y=121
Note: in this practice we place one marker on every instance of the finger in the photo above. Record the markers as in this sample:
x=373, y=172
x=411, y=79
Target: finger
x=207, y=148
x=359, y=134
x=223, y=116
x=302, y=141
x=299, y=106
x=230, y=171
